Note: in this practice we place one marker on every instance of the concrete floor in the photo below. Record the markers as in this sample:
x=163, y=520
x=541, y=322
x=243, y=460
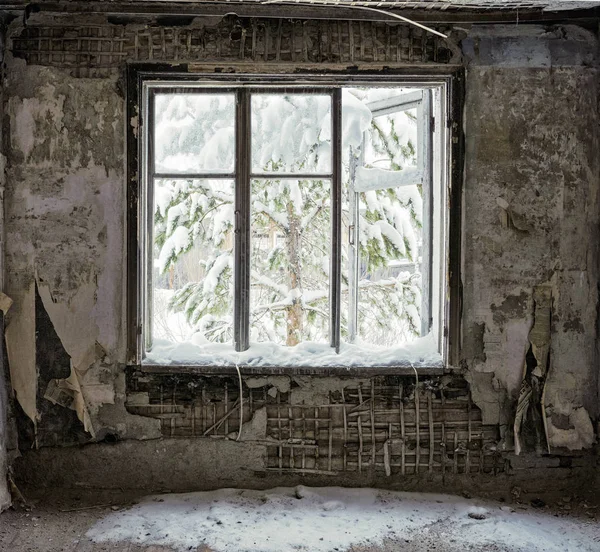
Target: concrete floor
x=58, y=523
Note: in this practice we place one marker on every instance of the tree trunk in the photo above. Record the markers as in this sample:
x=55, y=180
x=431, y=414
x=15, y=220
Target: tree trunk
x=295, y=312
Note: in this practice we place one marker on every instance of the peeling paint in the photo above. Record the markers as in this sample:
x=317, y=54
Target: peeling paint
x=67, y=392
x=578, y=435
x=255, y=429
x=314, y=390
x=20, y=344
x=530, y=212
x=5, y=302
x=280, y=383
x=530, y=404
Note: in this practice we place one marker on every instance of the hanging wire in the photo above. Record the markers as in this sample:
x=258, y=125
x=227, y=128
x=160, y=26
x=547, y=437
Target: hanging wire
x=241, y=399
x=348, y=4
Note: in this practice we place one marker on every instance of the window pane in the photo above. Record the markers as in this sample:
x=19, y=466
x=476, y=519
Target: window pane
x=192, y=264
x=389, y=279
x=382, y=123
x=289, y=295
x=384, y=224
x=291, y=133
x=194, y=133
x=389, y=240
x=392, y=142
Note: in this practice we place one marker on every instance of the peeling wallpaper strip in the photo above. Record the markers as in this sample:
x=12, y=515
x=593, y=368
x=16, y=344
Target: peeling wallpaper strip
x=20, y=344
x=75, y=327
x=77, y=332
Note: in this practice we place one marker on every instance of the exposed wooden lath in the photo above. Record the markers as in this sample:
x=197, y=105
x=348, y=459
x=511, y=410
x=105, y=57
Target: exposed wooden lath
x=383, y=425
x=91, y=50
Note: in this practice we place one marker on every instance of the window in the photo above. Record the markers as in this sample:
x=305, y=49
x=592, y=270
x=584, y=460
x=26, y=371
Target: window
x=284, y=225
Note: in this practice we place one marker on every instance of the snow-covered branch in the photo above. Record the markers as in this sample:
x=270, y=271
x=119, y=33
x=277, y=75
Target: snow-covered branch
x=265, y=281
x=310, y=216
x=279, y=218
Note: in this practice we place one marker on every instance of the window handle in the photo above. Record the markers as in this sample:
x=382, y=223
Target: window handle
x=351, y=234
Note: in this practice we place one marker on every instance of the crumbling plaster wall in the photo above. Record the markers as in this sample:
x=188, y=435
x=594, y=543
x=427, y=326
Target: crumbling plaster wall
x=65, y=227
x=5, y=499
x=529, y=218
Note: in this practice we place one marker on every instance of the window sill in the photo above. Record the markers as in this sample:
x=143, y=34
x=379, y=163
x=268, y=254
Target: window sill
x=400, y=369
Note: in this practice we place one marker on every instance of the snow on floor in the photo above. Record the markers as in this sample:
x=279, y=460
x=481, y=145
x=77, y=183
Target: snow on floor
x=331, y=518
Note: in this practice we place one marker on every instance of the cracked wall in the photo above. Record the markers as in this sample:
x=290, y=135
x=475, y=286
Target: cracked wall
x=529, y=219
x=5, y=499
x=66, y=238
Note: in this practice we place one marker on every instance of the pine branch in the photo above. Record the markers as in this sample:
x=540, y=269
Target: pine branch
x=265, y=281
x=278, y=219
x=306, y=220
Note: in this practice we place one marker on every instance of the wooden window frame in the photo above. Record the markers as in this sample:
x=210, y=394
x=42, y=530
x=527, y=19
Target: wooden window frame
x=331, y=82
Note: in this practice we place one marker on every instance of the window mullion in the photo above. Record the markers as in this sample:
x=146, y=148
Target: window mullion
x=241, y=309
x=336, y=221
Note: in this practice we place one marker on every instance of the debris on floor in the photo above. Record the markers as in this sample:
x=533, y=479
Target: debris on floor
x=334, y=519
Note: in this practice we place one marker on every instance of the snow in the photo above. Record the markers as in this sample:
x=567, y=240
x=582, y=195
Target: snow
x=380, y=179
x=411, y=194
x=168, y=324
x=402, y=124
x=356, y=118
x=386, y=229
x=420, y=352
x=177, y=242
x=202, y=124
x=279, y=218
x=211, y=280
x=331, y=518
x=296, y=196
x=290, y=133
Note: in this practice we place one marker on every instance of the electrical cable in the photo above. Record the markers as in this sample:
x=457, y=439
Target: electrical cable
x=352, y=5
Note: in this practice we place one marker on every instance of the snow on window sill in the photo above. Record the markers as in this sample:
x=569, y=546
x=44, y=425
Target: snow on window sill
x=306, y=358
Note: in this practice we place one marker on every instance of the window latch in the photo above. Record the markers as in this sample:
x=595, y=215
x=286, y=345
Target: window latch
x=351, y=234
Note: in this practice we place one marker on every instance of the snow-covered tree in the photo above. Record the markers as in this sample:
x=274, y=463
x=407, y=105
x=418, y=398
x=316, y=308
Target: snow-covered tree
x=290, y=217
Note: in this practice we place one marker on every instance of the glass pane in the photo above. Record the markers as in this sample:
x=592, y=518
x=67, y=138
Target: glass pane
x=388, y=140
x=391, y=143
x=194, y=133
x=192, y=276
x=289, y=281
x=389, y=279
x=386, y=226
x=291, y=133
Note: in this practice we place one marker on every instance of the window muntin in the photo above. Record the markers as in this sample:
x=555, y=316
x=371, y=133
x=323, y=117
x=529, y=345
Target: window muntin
x=304, y=172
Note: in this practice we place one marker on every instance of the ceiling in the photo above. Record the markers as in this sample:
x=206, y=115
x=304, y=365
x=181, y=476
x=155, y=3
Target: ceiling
x=429, y=4
x=431, y=11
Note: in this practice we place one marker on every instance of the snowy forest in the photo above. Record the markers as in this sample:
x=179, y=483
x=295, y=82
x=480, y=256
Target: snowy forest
x=192, y=280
